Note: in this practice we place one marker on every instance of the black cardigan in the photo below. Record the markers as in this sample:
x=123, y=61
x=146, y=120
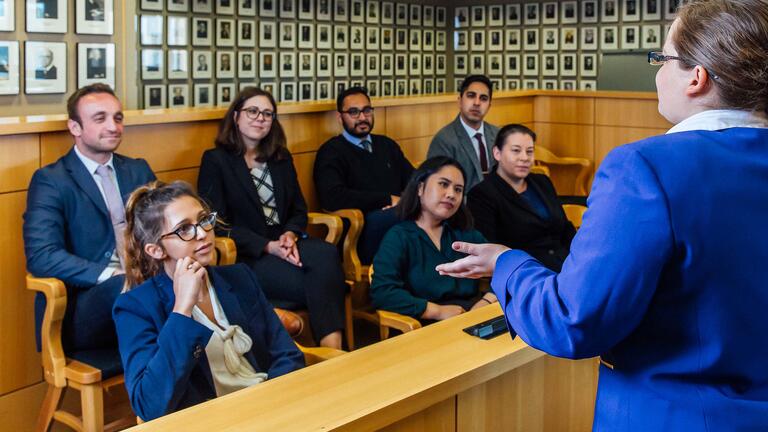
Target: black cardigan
x=504, y=217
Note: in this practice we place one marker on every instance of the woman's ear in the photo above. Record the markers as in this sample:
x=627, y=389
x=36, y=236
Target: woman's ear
x=421, y=188
x=496, y=153
x=155, y=251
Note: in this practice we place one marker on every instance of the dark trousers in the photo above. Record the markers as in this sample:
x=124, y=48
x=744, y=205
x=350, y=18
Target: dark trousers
x=377, y=223
x=317, y=286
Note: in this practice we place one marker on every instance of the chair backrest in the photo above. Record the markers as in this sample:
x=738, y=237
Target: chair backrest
x=226, y=251
x=574, y=213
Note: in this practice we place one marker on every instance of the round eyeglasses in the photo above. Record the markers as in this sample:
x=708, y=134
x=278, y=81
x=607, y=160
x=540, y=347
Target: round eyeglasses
x=188, y=231
x=253, y=113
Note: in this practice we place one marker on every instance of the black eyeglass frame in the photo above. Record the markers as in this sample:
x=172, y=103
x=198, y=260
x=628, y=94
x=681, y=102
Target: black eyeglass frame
x=355, y=112
x=210, y=218
x=253, y=113
x=657, y=58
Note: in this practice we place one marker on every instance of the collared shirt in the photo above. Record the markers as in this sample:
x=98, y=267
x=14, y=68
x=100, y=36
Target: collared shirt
x=712, y=120
x=91, y=166
x=472, y=132
x=355, y=140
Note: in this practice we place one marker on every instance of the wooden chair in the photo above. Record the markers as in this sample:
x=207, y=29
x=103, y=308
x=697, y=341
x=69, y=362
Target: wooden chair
x=390, y=320
x=544, y=157
x=574, y=213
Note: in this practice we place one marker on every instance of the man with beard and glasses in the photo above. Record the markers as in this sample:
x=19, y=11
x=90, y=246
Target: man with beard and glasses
x=360, y=170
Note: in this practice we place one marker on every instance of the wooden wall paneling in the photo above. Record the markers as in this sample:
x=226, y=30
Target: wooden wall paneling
x=415, y=121
x=440, y=417
x=565, y=140
x=305, y=163
x=19, y=361
x=19, y=409
x=188, y=175
x=169, y=146
x=308, y=131
x=54, y=145
x=415, y=149
x=19, y=158
x=609, y=137
x=640, y=113
x=507, y=111
x=557, y=109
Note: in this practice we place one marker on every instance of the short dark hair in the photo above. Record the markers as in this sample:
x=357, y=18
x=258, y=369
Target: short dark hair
x=80, y=93
x=349, y=92
x=473, y=79
x=409, y=206
x=510, y=129
x=272, y=145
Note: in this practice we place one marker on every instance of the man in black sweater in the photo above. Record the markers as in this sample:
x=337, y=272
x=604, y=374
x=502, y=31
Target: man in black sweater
x=360, y=170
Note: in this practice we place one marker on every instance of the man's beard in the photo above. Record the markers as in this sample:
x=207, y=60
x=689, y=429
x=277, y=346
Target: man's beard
x=352, y=132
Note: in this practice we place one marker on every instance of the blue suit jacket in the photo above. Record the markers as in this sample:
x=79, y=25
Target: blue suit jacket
x=666, y=281
x=67, y=229
x=163, y=353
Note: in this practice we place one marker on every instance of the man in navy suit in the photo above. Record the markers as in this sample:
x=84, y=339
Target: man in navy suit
x=75, y=212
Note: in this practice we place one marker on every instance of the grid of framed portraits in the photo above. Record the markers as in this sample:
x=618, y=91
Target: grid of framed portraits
x=553, y=44
x=298, y=49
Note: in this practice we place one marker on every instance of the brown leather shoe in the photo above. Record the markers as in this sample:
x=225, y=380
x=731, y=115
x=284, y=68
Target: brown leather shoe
x=292, y=322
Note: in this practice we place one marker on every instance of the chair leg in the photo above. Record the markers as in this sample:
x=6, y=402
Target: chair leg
x=350, y=322
x=50, y=404
x=92, y=401
x=383, y=332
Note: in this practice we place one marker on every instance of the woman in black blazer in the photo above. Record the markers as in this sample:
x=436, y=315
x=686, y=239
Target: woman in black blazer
x=249, y=178
x=518, y=209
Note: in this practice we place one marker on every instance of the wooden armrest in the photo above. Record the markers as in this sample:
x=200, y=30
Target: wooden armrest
x=543, y=155
x=313, y=355
x=540, y=169
x=353, y=269
x=53, y=358
x=574, y=213
x=398, y=321
x=333, y=222
x=82, y=373
x=227, y=252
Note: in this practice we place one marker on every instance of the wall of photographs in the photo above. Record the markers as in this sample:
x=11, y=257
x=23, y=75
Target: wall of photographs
x=553, y=45
x=200, y=52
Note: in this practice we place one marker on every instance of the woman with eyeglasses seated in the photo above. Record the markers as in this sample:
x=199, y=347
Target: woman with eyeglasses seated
x=434, y=216
x=518, y=209
x=250, y=180
x=188, y=331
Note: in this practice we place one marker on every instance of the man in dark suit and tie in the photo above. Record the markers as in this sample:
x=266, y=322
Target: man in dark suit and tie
x=46, y=70
x=75, y=217
x=468, y=138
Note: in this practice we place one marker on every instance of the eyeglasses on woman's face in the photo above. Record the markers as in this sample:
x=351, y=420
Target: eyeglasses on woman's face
x=188, y=231
x=253, y=113
x=657, y=58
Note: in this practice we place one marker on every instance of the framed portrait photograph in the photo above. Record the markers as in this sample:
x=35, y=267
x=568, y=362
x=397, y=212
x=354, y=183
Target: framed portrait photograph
x=512, y=14
x=414, y=64
x=324, y=90
x=287, y=9
x=387, y=65
x=630, y=37
x=225, y=64
x=151, y=29
x=225, y=93
x=271, y=88
x=428, y=86
x=372, y=65
x=178, y=6
x=589, y=11
x=477, y=40
x=178, y=95
x=201, y=64
x=373, y=88
x=202, y=6
x=651, y=36
x=287, y=65
x=387, y=88
x=588, y=65
x=154, y=96
x=46, y=16
x=92, y=16
x=587, y=85
x=8, y=18
x=246, y=7
x=201, y=31
x=414, y=39
x=495, y=40
x=177, y=31
x=531, y=64
x=288, y=92
x=268, y=8
x=589, y=38
x=357, y=11
x=428, y=40
x=9, y=67
x=441, y=14
x=512, y=64
x=609, y=38
x=428, y=16
x=372, y=12
x=440, y=40
x=496, y=15
x=531, y=39
x=246, y=33
x=401, y=87
x=306, y=65
x=415, y=15
x=356, y=65
x=306, y=91
x=341, y=37
x=461, y=17
x=567, y=84
x=387, y=12
x=401, y=64
x=267, y=64
x=372, y=38
x=512, y=39
x=531, y=16
x=341, y=10
x=323, y=12
x=306, y=35
x=324, y=61
x=203, y=95
x=401, y=39
x=225, y=32
x=152, y=64
x=549, y=65
x=441, y=64
x=512, y=84
x=495, y=65
x=569, y=38
x=610, y=11
x=440, y=86
x=568, y=14
x=549, y=15
x=324, y=36
x=478, y=16
x=225, y=7
x=45, y=67
x=307, y=9
x=568, y=64
x=477, y=64
x=549, y=40
x=414, y=87
x=651, y=10
x=387, y=38
x=178, y=64
x=549, y=84
x=340, y=64
x=630, y=10
x=152, y=5
x=267, y=34
x=356, y=37
x=530, y=84
x=670, y=8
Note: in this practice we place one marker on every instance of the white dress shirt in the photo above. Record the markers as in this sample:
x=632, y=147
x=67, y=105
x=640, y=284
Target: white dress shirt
x=712, y=120
x=472, y=132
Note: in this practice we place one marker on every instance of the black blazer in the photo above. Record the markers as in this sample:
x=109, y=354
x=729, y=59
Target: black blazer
x=225, y=184
x=504, y=217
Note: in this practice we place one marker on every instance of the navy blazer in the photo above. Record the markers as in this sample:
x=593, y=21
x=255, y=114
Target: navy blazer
x=666, y=281
x=163, y=353
x=68, y=232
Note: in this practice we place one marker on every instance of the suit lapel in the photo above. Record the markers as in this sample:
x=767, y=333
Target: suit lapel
x=124, y=180
x=243, y=175
x=552, y=207
x=466, y=145
x=85, y=180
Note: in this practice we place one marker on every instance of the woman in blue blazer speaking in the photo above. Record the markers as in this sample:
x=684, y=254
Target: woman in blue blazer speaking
x=189, y=332
x=666, y=278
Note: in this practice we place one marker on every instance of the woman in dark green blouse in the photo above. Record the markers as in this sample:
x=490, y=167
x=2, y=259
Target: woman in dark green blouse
x=434, y=216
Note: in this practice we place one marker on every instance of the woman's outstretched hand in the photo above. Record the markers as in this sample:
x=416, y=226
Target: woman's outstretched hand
x=480, y=262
